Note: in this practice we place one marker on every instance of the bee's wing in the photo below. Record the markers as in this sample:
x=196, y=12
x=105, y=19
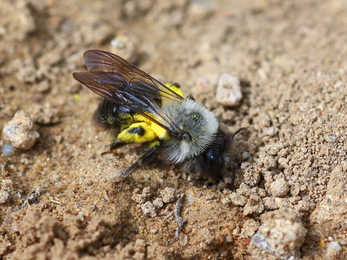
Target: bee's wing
x=118, y=81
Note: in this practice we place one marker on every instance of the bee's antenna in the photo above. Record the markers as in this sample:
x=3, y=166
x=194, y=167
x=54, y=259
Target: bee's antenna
x=234, y=134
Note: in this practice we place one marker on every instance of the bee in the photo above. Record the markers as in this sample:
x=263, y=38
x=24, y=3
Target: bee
x=143, y=110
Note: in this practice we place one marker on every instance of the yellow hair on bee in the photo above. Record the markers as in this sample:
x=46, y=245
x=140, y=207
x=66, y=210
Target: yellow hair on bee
x=137, y=133
x=159, y=132
x=145, y=130
x=174, y=88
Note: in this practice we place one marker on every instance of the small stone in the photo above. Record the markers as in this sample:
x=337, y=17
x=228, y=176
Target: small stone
x=17, y=20
x=148, y=209
x=20, y=132
x=245, y=156
x=153, y=231
x=4, y=196
x=251, y=177
x=141, y=198
x=158, y=202
x=282, y=163
x=281, y=234
x=269, y=162
x=6, y=190
x=270, y=203
x=331, y=138
x=238, y=199
x=333, y=250
x=302, y=206
x=338, y=84
x=183, y=239
x=270, y=131
x=146, y=192
x=228, y=90
x=206, y=235
x=168, y=195
x=7, y=149
x=249, y=228
x=254, y=206
x=279, y=187
x=225, y=201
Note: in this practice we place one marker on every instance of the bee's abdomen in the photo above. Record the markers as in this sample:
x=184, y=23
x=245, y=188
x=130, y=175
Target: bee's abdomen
x=109, y=115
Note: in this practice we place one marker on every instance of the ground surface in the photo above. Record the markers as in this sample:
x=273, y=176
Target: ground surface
x=290, y=193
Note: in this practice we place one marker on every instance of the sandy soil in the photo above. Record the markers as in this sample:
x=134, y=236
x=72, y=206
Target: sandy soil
x=289, y=199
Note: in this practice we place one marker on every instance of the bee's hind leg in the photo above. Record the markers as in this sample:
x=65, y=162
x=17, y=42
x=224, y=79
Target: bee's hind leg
x=144, y=159
x=115, y=145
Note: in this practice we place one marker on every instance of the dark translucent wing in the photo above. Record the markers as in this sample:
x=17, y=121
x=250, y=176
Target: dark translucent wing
x=114, y=79
x=112, y=70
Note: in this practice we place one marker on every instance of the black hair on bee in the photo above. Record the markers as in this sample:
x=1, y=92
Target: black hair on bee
x=143, y=110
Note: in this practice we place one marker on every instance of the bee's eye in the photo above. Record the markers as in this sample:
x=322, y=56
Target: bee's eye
x=212, y=158
x=195, y=117
x=185, y=136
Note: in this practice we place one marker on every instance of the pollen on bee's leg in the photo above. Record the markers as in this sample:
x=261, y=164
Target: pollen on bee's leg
x=137, y=130
x=137, y=133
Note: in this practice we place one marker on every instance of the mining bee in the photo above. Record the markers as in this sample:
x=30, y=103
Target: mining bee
x=143, y=110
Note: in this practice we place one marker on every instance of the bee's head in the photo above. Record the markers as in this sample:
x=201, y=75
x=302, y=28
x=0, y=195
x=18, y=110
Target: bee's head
x=197, y=130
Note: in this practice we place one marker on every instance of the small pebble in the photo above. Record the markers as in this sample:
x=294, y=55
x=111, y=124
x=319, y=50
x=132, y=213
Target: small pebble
x=148, y=209
x=7, y=149
x=168, y=195
x=158, y=202
x=331, y=138
x=4, y=196
x=254, y=206
x=245, y=155
x=153, y=231
x=238, y=199
x=6, y=190
x=20, y=132
x=183, y=239
x=333, y=250
x=281, y=234
x=279, y=187
x=228, y=90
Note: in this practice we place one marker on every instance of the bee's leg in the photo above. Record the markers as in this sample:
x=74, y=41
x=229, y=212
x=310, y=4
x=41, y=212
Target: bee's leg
x=144, y=159
x=230, y=160
x=231, y=163
x=116, y=144
x=136, y=133
x=113, y=146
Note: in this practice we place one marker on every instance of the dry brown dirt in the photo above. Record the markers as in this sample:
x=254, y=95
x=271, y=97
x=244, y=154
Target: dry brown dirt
x=289, y=199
